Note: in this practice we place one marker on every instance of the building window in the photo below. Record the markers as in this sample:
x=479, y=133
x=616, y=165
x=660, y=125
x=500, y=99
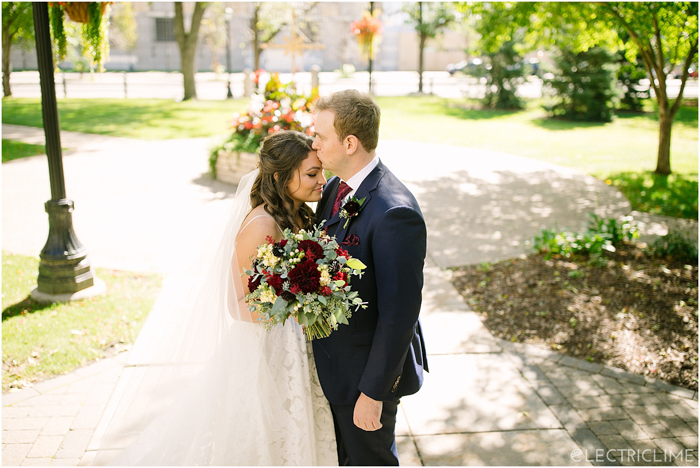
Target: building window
x=165, y=30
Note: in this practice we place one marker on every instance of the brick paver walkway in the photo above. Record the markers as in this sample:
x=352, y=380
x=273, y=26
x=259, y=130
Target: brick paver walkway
x=609, y=412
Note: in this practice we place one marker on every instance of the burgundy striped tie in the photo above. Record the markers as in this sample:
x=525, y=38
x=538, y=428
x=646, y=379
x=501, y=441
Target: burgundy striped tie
x=343, y=190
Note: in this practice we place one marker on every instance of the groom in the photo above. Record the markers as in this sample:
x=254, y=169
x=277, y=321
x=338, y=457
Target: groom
x=367, y=366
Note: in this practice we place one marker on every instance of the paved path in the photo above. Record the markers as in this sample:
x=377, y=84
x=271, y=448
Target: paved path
x=139, y=205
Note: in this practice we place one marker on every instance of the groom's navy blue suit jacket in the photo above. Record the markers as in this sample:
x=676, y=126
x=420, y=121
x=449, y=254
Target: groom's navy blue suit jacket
x=381, y=352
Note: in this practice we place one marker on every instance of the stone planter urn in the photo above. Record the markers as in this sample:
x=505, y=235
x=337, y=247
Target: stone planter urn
x=231, y=166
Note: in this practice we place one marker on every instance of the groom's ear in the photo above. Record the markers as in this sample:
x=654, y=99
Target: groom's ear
x=351, y=144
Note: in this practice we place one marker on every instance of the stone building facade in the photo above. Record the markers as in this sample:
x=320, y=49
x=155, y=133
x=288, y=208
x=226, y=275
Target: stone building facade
x=157, y=49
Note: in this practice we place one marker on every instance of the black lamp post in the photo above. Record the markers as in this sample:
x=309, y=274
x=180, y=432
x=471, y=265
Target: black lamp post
x=64, y=268
x=227, y=16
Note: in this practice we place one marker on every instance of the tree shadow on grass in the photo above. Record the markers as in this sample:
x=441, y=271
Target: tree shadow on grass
x=674, y=195
x=466, y=113
x=551, y=123
x=27, y=305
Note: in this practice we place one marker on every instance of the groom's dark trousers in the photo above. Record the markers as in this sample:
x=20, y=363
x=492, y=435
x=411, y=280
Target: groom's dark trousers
x=381, y=352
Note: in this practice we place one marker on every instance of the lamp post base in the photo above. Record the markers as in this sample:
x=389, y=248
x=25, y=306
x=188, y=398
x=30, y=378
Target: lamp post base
x=229, y=94
x=64, y=267
x=97, y=289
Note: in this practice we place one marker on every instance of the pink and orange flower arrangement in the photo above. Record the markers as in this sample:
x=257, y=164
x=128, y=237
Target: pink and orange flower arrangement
x=280, y=107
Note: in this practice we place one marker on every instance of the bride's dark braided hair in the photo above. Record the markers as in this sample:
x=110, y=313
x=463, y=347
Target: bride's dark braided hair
x=281, y=153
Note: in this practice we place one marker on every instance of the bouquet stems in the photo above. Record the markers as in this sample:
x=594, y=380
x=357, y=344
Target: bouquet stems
x=320, y=329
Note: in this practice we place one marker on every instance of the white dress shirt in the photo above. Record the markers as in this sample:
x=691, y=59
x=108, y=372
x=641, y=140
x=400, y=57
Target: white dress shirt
x=355, y=181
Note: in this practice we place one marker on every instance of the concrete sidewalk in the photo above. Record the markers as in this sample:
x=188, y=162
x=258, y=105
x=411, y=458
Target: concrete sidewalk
x=485, y=401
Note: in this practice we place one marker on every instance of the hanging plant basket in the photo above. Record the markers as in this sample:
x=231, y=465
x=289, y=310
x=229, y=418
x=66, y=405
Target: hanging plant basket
x=79, y=11
x=367, y=31
x=95, y=25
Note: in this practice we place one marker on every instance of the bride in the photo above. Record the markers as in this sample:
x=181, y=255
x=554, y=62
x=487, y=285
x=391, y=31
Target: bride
x=208, y=385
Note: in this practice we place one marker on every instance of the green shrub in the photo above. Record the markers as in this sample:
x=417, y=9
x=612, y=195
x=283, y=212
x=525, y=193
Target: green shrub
x=675, y=245
x=502, y=79
x=629, y=76
x=601, y=235
x=584, y=85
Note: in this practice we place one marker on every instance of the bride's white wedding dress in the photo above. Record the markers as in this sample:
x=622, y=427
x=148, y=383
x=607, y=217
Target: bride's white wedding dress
x=206, y=386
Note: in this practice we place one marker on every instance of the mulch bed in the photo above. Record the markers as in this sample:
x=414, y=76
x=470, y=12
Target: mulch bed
x=638, y=313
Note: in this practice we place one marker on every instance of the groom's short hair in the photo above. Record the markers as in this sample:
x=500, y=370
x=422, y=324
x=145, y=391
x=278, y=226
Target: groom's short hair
x=356, y=114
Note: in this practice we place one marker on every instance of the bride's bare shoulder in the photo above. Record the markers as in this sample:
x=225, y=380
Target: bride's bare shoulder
x=257, y=225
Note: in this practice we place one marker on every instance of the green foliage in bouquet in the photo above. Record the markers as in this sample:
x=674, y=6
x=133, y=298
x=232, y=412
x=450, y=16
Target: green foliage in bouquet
x=281, y=107
x=306, y=276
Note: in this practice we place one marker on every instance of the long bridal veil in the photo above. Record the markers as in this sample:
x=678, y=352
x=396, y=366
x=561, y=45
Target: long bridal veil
x=206, y=386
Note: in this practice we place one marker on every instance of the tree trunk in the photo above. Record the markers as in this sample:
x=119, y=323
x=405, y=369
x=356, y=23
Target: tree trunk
x=663, y=159
x=6, y=63
x=421, y=46
x=187, y=42
x=188, y=72
x=257, y=50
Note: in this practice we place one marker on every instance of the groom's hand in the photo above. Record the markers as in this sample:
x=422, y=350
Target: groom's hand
x=367, y=413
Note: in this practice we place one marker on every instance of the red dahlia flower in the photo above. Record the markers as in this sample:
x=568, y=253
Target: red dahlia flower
x=288, y=296
x=305, y=276
x=312, y=250
x=276, y=282
x=253, y=283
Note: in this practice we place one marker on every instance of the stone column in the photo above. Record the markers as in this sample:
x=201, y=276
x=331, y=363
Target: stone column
x=248, y=82
x=315, y=69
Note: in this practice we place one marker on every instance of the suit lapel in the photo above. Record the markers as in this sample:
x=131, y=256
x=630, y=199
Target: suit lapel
x=364, y=191
x=326, y=204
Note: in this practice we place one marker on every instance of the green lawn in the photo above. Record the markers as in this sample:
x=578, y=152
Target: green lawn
x=145, y=119
x=40, y=341
x=15, y=150
x=629, y=143
x=622, y=152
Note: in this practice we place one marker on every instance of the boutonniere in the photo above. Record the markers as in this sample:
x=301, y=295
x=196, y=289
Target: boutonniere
x=350, y=209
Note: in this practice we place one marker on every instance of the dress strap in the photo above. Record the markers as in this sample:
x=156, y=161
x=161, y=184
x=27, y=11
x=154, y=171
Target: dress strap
x=260, y=216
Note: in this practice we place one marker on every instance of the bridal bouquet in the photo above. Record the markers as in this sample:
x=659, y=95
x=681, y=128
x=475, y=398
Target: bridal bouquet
x=305, y=276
